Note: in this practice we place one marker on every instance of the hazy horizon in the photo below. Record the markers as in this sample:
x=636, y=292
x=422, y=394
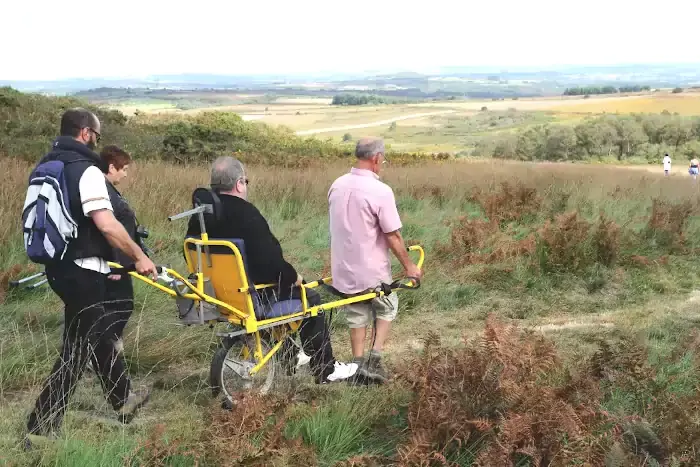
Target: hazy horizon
x=133, y=39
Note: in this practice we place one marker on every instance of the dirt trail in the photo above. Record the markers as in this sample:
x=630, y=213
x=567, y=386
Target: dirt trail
x=407, y=335
x=372, y=124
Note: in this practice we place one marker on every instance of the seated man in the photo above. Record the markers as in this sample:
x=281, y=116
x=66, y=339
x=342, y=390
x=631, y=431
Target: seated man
x=266, y=265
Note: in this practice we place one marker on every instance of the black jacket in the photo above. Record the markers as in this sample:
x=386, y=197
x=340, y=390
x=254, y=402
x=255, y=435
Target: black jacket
x=126, y=216
x=77, y=158
x=240, y=219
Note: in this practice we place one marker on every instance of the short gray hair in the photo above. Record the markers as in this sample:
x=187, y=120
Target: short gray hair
x=225, y=172
x=368, y=147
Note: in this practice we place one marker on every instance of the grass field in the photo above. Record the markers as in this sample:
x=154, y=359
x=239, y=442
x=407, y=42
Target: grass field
x=597, y=266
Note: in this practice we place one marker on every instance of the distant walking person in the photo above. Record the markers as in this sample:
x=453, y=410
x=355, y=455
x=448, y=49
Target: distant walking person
x=667, y=165
x=693, y=169
x=79, y=275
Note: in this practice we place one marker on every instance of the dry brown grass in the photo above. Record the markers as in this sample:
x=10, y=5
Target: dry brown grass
x=505, y=190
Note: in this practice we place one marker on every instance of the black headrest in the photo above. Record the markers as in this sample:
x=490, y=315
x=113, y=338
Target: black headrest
x=204, y=196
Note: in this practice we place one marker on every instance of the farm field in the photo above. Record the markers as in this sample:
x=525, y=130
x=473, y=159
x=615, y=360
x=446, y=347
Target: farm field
x=443, y=126
x=596, y=266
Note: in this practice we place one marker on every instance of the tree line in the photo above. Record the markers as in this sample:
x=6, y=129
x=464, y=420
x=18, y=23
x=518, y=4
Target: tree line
x=607, y=136
x=594, y=90
x=362, y=99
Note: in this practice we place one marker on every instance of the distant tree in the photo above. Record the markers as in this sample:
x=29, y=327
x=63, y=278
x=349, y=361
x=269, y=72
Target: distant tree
x=677, y=90
x=392, y=127
x=630, y=136
x=596, y=137
x=506, y=148
x=582, y=91
x=484, y=109
x=347, y=137
x=676, y=131
x=560, y=143
x=530, y=144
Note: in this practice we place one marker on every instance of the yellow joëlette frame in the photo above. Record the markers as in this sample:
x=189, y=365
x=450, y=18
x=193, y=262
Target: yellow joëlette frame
x=246, y=318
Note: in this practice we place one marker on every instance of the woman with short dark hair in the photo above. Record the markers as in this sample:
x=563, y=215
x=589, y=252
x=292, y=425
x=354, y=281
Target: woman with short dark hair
x=120, y=289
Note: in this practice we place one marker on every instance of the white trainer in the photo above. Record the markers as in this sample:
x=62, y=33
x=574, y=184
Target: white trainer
x=342, y=371
x=302, y=359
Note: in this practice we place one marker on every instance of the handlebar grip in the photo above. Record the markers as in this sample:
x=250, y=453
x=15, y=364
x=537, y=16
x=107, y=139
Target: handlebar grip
x=130, y=268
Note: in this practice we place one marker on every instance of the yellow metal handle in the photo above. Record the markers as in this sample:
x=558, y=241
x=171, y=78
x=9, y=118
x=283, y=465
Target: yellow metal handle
x=328, y=280
x=421, y=254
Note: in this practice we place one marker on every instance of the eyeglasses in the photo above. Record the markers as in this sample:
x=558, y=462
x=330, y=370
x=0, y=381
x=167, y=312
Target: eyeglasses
x=97, y=134
x=245, y=180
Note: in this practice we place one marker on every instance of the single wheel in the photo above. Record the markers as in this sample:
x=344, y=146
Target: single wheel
x=231, y=365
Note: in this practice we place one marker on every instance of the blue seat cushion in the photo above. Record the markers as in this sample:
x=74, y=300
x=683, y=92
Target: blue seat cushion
x=277, y=309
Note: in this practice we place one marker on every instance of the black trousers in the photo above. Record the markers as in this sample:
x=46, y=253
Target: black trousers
x=89, y=333
x=314, y=335
x=119, y=303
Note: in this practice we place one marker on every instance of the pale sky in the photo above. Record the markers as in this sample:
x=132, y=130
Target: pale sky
x=48, y=39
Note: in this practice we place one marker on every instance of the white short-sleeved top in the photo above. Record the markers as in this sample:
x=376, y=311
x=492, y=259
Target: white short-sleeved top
x=93, y=197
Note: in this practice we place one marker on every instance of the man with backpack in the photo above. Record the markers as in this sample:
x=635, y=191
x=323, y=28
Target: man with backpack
x=69, y=226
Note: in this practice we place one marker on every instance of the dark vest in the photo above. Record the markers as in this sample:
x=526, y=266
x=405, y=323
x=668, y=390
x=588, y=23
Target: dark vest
x=77, y=158
x=126, y=216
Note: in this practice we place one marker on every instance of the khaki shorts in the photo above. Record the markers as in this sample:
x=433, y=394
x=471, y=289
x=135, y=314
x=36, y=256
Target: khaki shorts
x=360, y=315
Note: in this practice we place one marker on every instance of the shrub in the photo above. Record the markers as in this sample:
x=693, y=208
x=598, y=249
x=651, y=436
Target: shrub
x=563, y=244
x=507, y=399
x=666, y=224
x=606, y=241
x=572, y=244
x=510, y=203
x=486, y=402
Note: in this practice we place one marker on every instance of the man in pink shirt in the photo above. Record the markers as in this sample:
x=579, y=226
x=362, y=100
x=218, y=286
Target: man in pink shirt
x=364, y=226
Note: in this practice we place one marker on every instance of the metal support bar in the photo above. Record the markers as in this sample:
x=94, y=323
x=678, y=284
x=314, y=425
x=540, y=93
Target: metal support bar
x=264, y=326
x=27, y=279
x=199, y=209
x=199, y=212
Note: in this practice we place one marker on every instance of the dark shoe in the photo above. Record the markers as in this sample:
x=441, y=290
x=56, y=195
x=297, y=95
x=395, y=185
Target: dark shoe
x=373, y=370
x=359, y=378
x=134, y=402
x=32, y=441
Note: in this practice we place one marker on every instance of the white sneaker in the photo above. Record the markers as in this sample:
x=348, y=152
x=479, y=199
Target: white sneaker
x=342, y=371
x=302, y=359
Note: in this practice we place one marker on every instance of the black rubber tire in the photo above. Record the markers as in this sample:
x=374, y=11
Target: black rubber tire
x=217, y=364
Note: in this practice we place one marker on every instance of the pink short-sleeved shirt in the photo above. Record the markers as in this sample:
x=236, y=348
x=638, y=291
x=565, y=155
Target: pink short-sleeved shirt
x=362, y=210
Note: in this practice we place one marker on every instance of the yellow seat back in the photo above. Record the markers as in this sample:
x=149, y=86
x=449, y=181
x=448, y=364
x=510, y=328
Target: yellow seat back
x=226, y=273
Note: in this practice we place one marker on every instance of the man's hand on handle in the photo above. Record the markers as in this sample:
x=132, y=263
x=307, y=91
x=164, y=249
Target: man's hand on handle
x=145, y=267
x=413, y=271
